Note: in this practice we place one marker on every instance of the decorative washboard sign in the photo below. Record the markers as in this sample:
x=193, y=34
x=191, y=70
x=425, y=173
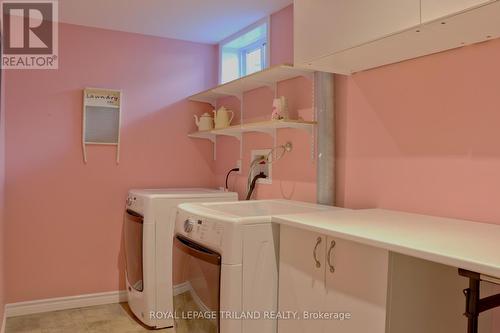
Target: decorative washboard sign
x=101, y=119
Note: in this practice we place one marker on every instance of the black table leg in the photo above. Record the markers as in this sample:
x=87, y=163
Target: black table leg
x=474, y=304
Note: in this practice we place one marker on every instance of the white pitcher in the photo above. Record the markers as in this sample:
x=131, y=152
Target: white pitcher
x=222, y=118
x=205, y=122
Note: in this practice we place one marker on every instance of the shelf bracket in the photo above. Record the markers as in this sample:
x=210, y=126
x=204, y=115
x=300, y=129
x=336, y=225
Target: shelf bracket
x=239, y=96
x=212, y=102
x=237, y=136
x=270, y=131
x=312, y=137
x=273, y=86
x=215, y=149
x=241, y=150
x=308, y=129
x=474, y=304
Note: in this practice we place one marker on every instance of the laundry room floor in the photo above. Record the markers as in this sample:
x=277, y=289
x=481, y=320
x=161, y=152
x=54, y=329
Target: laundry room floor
x=110, y=318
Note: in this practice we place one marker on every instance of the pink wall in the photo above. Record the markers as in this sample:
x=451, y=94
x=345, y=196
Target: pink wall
x=423, y=136
x=419, y=136
x=282, y=36
x=64, y=218
x=294, y=177
x=2, y=200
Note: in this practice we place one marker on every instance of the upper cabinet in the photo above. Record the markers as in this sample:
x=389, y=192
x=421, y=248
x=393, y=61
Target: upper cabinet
x=435, y=9
x=323, y=27
x=347, y=36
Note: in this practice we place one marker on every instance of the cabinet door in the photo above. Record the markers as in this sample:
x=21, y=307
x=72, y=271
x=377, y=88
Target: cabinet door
x=323, y=27
x=433, y=9
x=356, y=283
x=301, y=279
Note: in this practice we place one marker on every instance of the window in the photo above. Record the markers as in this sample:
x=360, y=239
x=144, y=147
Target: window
x=245, y=52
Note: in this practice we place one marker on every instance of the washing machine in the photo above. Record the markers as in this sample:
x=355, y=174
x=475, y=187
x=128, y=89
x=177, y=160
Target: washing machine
x=227, y=265
x=148, y=238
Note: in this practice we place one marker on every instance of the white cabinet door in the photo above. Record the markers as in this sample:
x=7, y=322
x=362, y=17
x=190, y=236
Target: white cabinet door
x=356, y=283
x=435, y=9
x=323, y=27
x=301, y=279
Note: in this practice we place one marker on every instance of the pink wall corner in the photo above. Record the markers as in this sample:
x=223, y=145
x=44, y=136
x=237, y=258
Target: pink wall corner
x=294, y=177
x=64, y=218
x=282, y=36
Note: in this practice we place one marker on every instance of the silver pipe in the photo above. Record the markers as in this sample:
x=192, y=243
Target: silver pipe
x=325, y=115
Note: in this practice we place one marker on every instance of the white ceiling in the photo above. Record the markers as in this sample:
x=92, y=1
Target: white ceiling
x=205, y=21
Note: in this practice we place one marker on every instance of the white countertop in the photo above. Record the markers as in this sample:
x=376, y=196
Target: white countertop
x=463, y=244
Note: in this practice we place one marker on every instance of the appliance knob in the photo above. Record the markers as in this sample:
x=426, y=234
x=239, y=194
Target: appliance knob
x=129, y=201
x=188, y=225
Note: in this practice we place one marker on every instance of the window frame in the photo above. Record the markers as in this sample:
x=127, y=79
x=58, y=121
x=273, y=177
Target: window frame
x=258, y=44
x=243, y=52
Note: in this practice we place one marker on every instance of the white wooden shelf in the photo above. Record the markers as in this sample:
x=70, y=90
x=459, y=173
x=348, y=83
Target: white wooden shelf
x=268, y=127
x=268, y=77
x=208, y=135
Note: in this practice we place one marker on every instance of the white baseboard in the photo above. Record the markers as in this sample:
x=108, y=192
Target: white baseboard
x=64, y=303
x=187, y=287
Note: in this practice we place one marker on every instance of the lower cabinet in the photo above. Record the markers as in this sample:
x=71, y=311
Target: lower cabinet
x=381, y=291
x=301, y=278
x=356, y=283
x=323, y=276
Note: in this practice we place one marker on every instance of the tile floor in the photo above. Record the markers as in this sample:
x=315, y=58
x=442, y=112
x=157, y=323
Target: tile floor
x=185, y=303
x=111, y=318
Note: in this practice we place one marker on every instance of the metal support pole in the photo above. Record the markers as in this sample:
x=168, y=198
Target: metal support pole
x=325, y=115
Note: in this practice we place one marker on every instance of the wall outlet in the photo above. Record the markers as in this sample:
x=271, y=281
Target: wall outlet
x=239, y=166
x=264, y=167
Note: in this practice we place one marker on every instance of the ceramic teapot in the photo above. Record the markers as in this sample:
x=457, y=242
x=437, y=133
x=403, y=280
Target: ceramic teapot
x=205, y=122
x=222, y=118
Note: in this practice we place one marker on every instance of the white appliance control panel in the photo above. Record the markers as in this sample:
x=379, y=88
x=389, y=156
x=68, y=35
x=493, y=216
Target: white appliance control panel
x=204, y=231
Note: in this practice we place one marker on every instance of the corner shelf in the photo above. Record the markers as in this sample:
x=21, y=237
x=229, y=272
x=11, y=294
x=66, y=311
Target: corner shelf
x=265, y=78
x=236, y=88
x=268, y=127
x=260, y=127
x=208, y=135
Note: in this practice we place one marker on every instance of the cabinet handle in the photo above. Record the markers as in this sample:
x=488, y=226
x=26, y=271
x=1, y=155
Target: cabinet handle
x=329, y=257
x=318, y=241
